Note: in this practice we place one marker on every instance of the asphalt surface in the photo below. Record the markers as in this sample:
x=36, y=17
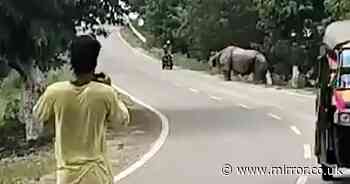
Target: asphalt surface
x=213, y=122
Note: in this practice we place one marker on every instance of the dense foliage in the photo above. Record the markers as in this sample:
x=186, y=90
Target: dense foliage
x=339, y=9
x=217, y=24
x=193, y=25
x=281, y=29
x=35, y=34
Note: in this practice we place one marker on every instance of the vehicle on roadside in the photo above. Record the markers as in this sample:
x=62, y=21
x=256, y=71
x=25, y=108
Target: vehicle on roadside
x=332, y=140
x=167, y=62
x=167, y=58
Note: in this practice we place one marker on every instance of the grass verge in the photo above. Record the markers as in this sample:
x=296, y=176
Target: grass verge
x=180, y=60
x=27, y=169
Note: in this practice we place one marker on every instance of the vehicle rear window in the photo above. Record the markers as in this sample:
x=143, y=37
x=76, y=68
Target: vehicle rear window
x=345, y=81
x=346, y=58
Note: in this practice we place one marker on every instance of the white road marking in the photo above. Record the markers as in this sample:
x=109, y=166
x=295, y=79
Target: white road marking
x=155, y=146
x=302, y=180
x=310, y=96
x=215, y=98
x=194, y=90
x=295, y=130
x=307, y=151
x=146, y=55
x=244, y=106
x=165, y=128
x=135, y=50
x=274, y=116
x=125, y=42
x=137, y=33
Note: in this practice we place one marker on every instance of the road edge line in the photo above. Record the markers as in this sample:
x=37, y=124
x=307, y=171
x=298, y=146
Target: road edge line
x=156, y=146
x=135, y=50
x=151, y=58
x=309, y=96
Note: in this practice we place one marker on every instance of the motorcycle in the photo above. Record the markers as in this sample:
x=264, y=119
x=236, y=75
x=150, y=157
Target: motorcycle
x=167, y=62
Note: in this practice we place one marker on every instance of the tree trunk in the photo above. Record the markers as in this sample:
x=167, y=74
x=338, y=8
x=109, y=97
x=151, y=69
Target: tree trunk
x=34, y=87
x=295, y=77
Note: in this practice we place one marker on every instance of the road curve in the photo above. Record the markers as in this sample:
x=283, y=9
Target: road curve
x=213, y=123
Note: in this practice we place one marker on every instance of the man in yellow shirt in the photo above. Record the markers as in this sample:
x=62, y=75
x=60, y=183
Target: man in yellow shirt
x=81, y=110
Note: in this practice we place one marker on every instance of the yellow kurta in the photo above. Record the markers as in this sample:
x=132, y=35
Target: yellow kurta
x=81, y=115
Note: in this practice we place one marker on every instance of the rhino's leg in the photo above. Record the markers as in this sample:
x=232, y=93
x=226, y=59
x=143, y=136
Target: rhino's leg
x=227, y=70
x=258, y=76
x=260, y=71
x=227, y=75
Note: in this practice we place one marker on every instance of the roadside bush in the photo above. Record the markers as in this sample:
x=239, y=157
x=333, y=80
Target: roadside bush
x=179, y=59
x=191, y=64
x=12, y=130
x=10, y=95
x=158, y=53
x=62, y=74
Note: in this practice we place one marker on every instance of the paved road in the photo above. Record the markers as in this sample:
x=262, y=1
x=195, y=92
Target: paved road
x=213, y=122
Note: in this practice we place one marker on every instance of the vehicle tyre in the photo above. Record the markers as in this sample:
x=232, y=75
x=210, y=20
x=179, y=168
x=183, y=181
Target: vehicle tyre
x=326, y=173
x=163, y=66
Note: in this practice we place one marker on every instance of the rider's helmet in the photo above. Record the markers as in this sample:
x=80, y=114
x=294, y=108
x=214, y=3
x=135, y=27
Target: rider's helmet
x=168, y=42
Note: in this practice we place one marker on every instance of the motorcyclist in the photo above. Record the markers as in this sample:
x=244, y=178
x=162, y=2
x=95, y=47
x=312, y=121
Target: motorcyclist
x=167, y=56
x=167, y=48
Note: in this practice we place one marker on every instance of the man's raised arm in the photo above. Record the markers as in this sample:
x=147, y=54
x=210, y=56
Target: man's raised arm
x=118, y=112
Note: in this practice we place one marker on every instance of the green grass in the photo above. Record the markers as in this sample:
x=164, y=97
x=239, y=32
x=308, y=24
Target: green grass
x=191, y=64
x=22, y=171
x=131, y=38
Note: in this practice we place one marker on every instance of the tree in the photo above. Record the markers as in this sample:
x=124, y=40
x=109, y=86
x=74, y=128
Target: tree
x=339, y=9
x=138, y=6
x=217, y=24
x=164, y=18
x=293, y=23
x=193, y=25
x=34, y=33
x=287, y=17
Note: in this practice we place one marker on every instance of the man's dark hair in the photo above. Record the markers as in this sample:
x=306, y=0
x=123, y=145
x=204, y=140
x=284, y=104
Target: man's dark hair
x=84, y=52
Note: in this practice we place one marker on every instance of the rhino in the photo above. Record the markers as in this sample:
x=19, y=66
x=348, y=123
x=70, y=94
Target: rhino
x=241, y=62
